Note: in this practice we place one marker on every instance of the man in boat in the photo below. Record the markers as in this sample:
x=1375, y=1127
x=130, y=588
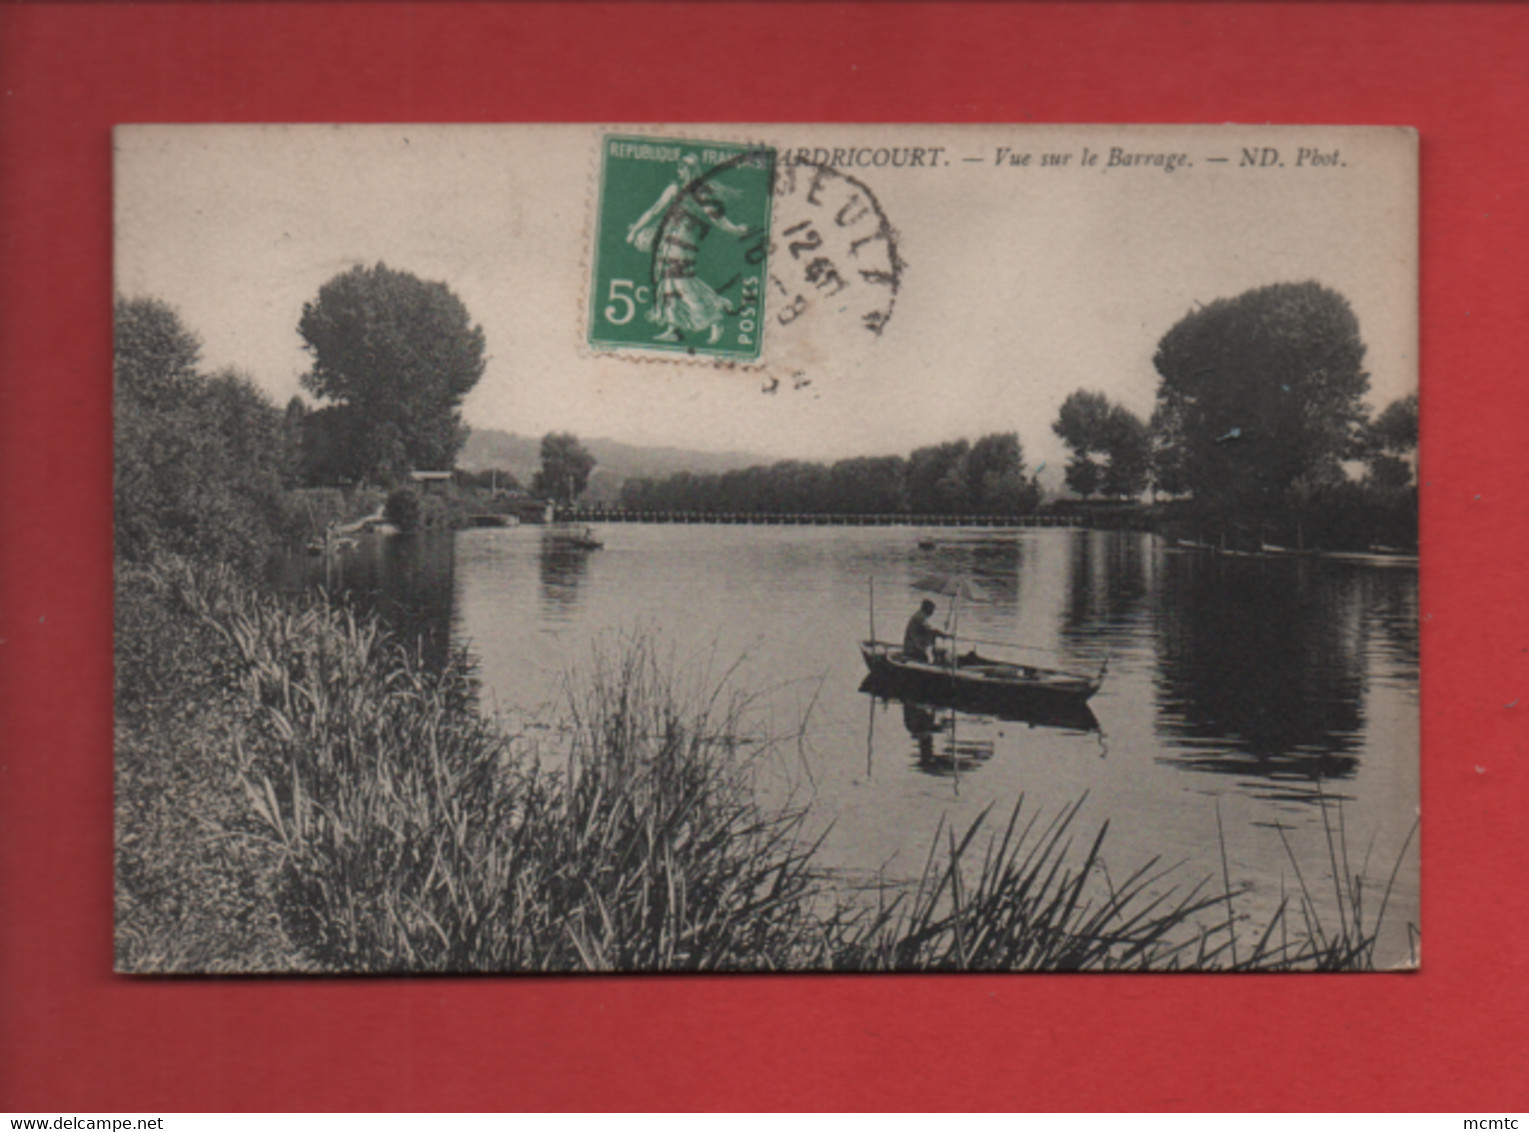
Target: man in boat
x=920, y=636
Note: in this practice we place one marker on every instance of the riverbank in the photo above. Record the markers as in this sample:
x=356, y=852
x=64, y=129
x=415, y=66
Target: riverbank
x=296, y=791
x=311, y=511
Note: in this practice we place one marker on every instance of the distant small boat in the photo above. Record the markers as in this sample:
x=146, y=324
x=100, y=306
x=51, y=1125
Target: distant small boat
x=926, y=543
x=584, y=539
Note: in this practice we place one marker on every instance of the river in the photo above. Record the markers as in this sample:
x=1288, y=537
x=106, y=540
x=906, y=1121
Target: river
x=1267, y=705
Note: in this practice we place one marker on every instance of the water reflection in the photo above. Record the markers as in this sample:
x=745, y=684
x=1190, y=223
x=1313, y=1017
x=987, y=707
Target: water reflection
x=562, y=566
x=1260, y=669
x=953, y=735
x=942, y=751
x=1390, y=603
x=990, y=565
x=1065, y=714
x=1108, y=580
x=998, y=564
x=409, y=580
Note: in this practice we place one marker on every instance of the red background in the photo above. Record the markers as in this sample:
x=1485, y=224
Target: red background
x=75, y=1037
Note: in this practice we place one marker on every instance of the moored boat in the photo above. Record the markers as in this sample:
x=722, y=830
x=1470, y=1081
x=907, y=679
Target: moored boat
x=1274, y=551
x=1370, y=558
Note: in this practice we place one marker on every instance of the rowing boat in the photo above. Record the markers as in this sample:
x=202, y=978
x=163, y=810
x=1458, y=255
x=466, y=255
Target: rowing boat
x=981, y=682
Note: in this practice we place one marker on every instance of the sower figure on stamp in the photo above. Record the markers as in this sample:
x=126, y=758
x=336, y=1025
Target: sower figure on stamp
x=920, y=636
x=678, y=221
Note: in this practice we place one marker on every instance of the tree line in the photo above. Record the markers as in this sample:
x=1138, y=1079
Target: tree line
x=1259, y=422
x=960, y=477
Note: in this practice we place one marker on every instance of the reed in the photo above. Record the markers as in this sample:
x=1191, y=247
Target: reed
x=416, y=836
x=1351, y=943
x=667, y=859
x=1028, y=902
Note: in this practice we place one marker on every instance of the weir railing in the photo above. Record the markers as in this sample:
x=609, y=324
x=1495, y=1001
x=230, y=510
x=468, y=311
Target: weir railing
x=587, y=514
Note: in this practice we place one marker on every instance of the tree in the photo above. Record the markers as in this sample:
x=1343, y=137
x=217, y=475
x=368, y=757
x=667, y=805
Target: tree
x=1111, y=446
x=395, y=355
x=565, y=469
x=293, y=426
x=1128, y=443
x=995, y=476
x=1260, y=390
x=936, y=478
x=866, y=485
x=1081, y=424
x=155, y=360
x=199, y=461
x=1390, y=444
x=1169, y=472
x=1396, y=428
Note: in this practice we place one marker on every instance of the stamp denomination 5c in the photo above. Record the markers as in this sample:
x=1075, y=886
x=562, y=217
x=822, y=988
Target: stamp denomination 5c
x=681, y=247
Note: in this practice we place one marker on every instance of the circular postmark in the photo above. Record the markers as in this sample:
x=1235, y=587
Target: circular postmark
x=834, y=253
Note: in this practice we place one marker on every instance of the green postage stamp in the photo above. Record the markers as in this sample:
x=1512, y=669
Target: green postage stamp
x=681, y=243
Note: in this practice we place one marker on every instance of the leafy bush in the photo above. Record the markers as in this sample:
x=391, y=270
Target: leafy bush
x=403, y=509
x=199, y=460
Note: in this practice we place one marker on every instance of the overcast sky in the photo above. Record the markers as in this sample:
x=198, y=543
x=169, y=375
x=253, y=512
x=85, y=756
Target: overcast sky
x=1021, y=283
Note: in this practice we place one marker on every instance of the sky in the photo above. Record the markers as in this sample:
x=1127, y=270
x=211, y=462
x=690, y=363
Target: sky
x=1021, y=283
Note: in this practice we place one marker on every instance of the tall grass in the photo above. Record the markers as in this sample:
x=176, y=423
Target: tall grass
x=1350, y=943
x=398, y=829
x=413, y=835
x=665, y=857
x=1029, y=903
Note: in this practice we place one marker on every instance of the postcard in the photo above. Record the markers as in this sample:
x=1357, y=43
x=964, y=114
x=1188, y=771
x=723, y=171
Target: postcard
x=730, y=547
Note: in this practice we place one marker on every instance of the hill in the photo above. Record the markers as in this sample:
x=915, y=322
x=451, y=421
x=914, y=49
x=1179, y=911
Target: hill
x=616, y=462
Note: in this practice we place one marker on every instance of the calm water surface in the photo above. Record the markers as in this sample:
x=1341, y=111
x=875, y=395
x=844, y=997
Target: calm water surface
x=1252, y=688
